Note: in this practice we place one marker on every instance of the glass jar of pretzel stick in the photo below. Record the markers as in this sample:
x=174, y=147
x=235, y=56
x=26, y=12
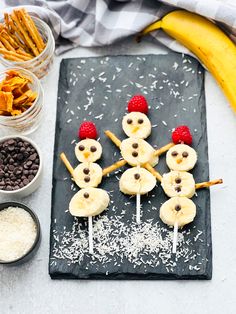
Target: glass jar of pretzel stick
x=29, y=120
x=42, y=63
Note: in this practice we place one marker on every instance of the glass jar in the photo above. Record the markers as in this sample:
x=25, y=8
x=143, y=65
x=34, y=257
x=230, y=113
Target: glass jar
x=41, y=64
x=28, y=121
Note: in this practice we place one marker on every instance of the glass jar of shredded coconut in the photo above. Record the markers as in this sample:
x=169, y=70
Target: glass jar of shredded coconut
x=18, y=234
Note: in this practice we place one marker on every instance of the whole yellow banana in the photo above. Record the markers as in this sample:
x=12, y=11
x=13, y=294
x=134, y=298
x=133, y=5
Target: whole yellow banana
x=208, y=42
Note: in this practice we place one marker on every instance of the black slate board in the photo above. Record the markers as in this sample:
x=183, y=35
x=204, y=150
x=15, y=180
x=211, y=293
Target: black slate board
x=98, y=89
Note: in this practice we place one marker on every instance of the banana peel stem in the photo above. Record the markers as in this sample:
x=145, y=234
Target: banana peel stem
x=152, y=27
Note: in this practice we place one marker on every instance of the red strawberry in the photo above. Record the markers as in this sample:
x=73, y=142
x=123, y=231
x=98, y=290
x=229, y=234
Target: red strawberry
x=182, y=134
x=138, y=103
x=87, y=130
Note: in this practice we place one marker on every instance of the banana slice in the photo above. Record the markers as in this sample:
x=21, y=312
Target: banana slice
x=88, y=150
x=180, y=209
x=178, y=183
x=136, y=124
x=87, y=174
x=137, y=181
x=181, y=157
x=137, y=151
x=89, y=202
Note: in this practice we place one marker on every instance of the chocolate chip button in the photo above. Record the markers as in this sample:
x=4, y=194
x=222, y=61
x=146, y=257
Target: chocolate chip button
x=178, y=189
x=86, y=171
x=135, y=145
x=137, y=176
x=178, y=180
x=86, y=195
x=87, y=179
x=177, y=208
x=134, y=154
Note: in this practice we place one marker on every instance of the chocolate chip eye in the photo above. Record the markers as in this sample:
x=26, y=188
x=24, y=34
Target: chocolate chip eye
x=81, y=147
x=140, y=121
x=177, y=208
x=178, y=189
x=178, y=180
x=137, y=176
x=93, y=149
x=86, y=171
x=87, y=179
x=129, y=121
x=135, y=145
x=174, y=153
x=86, y=195
x=185, y=154
x=135, y=154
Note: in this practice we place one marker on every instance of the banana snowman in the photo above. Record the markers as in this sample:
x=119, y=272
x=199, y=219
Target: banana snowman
x=135, y=150
x=90, y=200
x=179, y=184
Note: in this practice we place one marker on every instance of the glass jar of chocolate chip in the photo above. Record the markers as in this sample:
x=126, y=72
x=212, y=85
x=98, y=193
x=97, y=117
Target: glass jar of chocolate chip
x=20, y=166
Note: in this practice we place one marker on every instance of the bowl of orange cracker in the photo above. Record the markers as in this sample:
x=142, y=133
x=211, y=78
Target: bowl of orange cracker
x=21, y=100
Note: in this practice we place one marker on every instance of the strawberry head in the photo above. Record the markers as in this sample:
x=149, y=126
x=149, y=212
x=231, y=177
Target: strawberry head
x=138, y=103
x=182, y=135
x=87, y=130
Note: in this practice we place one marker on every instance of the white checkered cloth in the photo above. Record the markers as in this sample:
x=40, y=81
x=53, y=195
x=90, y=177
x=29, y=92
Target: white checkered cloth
x=103, y=22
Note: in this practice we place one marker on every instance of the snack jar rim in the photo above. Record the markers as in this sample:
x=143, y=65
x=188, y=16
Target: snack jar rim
x=8, y=137
x=37, y=224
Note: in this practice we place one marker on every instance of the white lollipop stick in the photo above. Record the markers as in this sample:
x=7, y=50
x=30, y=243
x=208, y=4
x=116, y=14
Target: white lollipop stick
x=138, y=205
x=175, y=238
x=90, y=229
x=138, y=208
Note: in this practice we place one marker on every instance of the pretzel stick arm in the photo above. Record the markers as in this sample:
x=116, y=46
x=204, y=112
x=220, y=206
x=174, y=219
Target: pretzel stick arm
x=113, y=138
x=67, y=163
x=207, y=184
x=153, y=171
x=163, y=149
x=113, y=167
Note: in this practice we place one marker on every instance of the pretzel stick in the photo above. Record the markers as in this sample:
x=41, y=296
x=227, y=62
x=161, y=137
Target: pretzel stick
x=11, y=41
x=32, y=29
x=11, y=58
x=208, y=184
x=163, y=149
x=23, y=53
x=113, y=167
x=113, y=138
x=22, y=30
x=67, y=164
x=14, y=54
x=153, y=171
x=1, y=45
x=6, y=43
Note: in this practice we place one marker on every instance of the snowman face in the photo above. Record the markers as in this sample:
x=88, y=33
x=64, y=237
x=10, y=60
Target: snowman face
x=88, y=150
x=137, y=151
x=181, y=157
x=136, y=124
